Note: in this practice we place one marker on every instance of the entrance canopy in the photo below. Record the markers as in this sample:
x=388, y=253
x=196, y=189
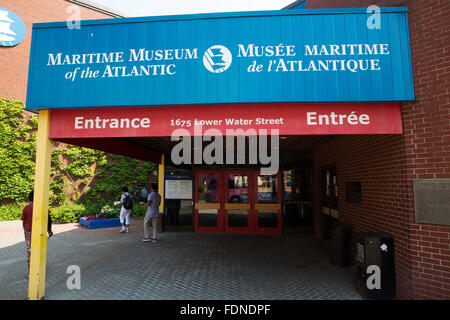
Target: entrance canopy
x=301, y=72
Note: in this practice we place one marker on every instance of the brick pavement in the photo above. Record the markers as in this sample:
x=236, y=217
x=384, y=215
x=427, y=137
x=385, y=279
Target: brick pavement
x=188, y=266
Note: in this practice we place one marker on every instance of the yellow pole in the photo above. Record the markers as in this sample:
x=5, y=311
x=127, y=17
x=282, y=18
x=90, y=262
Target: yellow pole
x=161, y=183
x=36, y=284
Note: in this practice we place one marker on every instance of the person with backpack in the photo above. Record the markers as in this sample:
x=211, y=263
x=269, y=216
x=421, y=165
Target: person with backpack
x=126, y=203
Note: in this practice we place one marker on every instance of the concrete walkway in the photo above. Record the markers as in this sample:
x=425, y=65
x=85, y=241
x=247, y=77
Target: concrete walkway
x=180, y=266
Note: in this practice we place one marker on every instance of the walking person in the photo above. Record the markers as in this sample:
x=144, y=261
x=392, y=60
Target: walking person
x=27, y=223
x=27, y=220
x=126, y=203
x=152, y=215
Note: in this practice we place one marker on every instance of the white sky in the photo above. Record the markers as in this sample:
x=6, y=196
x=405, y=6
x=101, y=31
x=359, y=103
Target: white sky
x=171, y=7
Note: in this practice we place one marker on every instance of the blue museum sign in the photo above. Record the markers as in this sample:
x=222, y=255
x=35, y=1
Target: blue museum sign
x=320, y=55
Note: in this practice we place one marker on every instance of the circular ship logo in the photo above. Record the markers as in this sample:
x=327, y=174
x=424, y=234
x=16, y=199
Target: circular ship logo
x=217, y=59
x=12, y=28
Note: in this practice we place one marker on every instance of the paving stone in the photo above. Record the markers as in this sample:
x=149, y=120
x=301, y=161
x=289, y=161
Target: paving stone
x=180, y=266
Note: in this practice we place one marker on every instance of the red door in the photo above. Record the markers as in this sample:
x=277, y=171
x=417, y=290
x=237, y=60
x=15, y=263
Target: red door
x=208, y=199
x=267, y=203
x=238, y=201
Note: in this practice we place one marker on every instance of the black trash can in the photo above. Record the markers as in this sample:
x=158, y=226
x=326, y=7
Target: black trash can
x=375, y=249
x=340, y=234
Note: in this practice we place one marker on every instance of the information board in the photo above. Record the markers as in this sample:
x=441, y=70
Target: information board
x=178, y=187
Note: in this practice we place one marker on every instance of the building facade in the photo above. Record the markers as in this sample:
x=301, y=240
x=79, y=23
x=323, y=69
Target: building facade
x=369, y=180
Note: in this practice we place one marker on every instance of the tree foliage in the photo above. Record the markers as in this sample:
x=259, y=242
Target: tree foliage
x=77, y=174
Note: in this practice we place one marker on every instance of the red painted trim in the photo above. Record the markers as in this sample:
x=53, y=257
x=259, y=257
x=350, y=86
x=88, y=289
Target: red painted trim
x=195, y=201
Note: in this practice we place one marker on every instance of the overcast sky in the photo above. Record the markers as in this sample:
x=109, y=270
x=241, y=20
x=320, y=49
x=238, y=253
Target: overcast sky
x=169, y=7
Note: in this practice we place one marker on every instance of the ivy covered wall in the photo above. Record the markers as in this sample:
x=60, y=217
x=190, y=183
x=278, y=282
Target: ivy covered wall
x=17, y=151
x=78, y=175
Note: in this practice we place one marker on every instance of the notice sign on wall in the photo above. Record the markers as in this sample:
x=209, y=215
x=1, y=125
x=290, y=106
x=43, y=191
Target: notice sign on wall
x=432, y=201
x=178, y=187
x=249, y=57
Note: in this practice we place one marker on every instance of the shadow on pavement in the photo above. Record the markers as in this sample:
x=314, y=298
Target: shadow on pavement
x=186, y=266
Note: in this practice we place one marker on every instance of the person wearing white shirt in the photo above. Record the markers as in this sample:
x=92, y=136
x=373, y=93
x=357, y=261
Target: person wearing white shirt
x=124, y=213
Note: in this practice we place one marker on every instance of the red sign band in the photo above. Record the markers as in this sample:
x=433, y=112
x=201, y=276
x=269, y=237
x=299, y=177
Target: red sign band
x=281, y=119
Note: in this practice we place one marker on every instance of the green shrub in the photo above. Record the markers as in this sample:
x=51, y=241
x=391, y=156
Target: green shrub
x=9, y=212
x=110, y=211
x=67, y=213
x=93, y=208
x=72, y=212
x=139, y=210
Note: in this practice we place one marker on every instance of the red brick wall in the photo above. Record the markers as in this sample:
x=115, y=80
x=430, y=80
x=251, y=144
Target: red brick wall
x=378, y=162
x=387, y=165
x=14, y=60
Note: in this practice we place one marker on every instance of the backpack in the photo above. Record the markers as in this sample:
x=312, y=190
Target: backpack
x=128, y=202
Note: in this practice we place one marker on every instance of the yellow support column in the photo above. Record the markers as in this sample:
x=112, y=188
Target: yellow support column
x=161, y=183
x=161, y=191
x=36, y=285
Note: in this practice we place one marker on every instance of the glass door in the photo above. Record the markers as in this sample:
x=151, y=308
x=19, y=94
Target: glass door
x=238, y=199
x=208, y=211
x=267, y=218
